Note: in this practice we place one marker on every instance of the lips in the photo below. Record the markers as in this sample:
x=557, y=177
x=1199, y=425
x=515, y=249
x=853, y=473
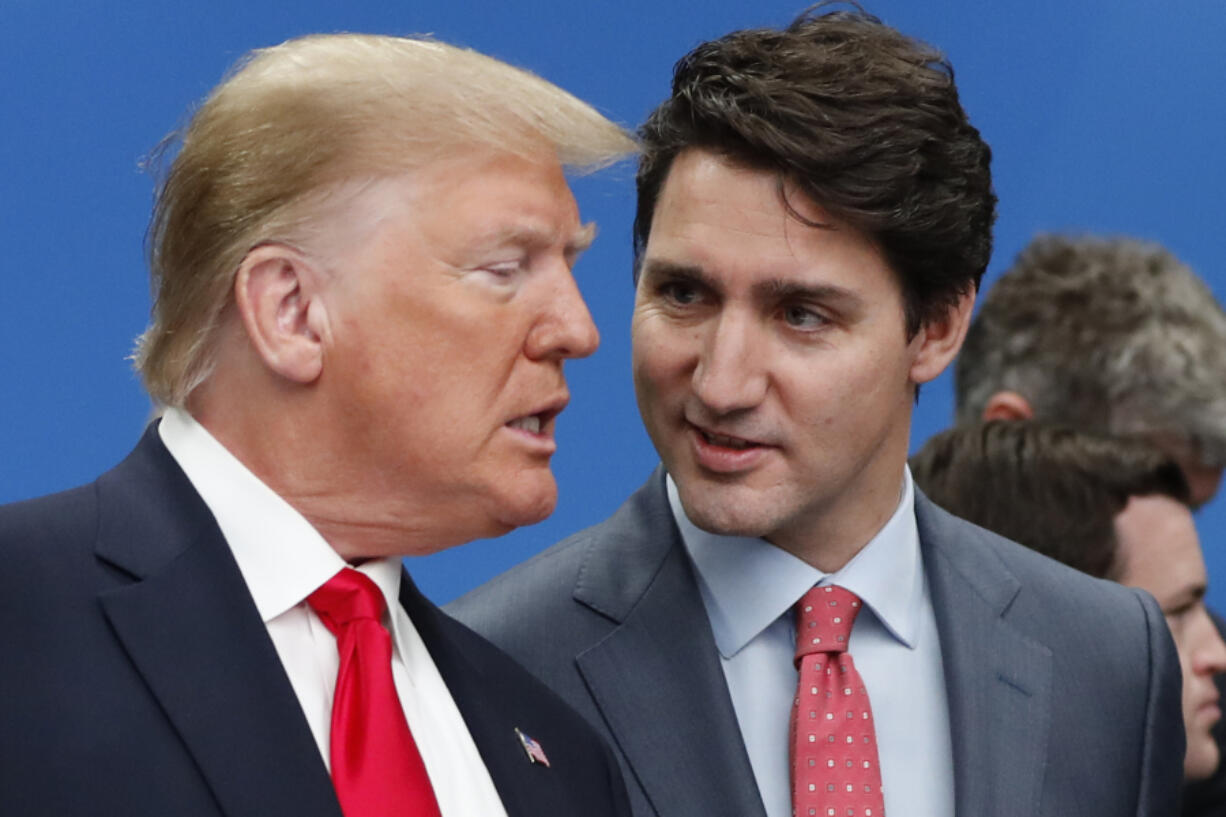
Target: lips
x=723, y=453
x=726, y=441
x=531, y=423
x=539, y=423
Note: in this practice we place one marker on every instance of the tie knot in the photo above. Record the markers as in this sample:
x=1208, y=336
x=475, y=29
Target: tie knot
x=824, y=617
x=347, y=596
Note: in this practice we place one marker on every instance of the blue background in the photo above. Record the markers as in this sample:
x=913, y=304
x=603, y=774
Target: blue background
x=1103, y=115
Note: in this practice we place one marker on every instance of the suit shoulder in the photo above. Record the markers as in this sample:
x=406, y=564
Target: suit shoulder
x=607, y=564
x=1047, y=589
x=34, y=526
x=532, y=588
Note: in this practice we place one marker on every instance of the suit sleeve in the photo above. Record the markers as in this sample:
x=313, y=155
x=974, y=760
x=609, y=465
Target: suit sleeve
x=1161, y=773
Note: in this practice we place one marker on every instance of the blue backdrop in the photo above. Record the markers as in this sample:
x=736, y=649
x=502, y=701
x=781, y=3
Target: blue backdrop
x=1103, y=115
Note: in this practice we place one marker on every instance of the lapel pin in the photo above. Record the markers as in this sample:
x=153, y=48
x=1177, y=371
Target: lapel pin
x=533, y=749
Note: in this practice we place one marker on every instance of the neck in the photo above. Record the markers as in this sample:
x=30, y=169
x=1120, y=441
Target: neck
x=832, y=534
x=297, y=454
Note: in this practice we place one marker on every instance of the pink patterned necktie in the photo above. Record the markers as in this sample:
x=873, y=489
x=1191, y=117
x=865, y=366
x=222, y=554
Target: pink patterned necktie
x=835, y=771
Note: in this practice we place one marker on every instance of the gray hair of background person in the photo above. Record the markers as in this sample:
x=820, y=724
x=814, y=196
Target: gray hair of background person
x=1055, y=490
x=863, y=119
x=275, y=141
x=1109, y=334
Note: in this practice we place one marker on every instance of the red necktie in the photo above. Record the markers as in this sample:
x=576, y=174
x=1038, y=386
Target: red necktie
x=835, y=771
x=376, y=768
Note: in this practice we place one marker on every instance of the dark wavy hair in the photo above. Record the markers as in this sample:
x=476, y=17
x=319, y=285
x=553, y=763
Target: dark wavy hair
x=862, y=119
x=1052, y=489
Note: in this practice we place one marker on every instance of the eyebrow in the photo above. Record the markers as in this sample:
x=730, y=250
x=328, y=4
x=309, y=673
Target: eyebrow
x=771, y=289
x=784, y=290
x=659, y=268
x=1187, y=598
x=533, y=237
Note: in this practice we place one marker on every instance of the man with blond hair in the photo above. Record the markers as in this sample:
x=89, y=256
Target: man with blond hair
x=361, y=259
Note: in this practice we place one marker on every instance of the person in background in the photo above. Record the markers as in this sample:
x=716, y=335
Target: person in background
x=363, y=301
x=777, y=623
x=1113, y=336
x=1115, y=508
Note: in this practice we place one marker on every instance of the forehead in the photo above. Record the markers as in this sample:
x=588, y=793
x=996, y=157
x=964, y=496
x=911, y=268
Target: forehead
x=534, y=187
x=1158, y=546
x=737, y=221
x=475, y=198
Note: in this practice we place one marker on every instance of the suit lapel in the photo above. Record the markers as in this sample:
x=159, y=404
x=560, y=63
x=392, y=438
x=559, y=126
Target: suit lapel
x=998, y=680
x=660, y=665
x=492, y=709
x=476, y=696
x=193, y=633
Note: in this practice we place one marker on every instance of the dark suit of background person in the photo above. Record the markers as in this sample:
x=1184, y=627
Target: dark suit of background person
x=814, y=216
x=167, y=647
x=139, y=678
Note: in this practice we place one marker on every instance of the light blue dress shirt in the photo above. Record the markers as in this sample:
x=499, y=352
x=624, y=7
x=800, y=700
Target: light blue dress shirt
x=749, y=587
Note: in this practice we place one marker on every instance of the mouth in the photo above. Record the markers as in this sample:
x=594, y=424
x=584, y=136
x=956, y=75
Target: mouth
x=723, y=438
x=719, y=452
x=726, y=440
x=540, y=423
x=532, y=423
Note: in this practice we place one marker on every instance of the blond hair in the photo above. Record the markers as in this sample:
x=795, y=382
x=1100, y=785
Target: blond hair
x=292, y=121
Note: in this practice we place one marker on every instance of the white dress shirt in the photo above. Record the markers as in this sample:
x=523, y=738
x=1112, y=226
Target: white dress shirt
x=283, y=560
x=749, y=588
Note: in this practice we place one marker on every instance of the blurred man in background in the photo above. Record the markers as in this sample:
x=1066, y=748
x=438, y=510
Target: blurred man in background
x=1115, y=508
x=1109, y=335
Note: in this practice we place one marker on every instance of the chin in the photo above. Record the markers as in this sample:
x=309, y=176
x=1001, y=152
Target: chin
x=1202, y=758
x=527, y=506
x=723, y=520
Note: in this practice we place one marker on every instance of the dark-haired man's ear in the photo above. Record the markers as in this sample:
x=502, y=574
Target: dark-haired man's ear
x=1007, y=405
x=938, y=341
x=276, y=294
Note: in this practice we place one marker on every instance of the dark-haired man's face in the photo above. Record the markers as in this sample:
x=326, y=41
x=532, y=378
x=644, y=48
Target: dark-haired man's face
x=771, y=362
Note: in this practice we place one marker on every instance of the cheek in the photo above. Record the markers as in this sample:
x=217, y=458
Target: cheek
x=655, y=366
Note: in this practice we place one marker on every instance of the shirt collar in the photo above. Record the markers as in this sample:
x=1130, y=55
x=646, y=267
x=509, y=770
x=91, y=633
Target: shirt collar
x=747, y=583
x=281, y=556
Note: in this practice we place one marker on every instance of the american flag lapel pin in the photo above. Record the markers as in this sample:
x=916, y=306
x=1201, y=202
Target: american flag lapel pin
x=532, y=749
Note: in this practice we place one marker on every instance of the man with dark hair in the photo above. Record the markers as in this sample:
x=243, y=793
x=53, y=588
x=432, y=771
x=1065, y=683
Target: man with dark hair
x=776, y=623
x=1112, y=507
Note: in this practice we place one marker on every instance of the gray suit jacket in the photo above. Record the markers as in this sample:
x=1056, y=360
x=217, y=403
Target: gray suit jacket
x=1063, y=690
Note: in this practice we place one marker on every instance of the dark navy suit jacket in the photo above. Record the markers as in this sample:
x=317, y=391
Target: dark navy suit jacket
x=138, y=680
x=1064, y=691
